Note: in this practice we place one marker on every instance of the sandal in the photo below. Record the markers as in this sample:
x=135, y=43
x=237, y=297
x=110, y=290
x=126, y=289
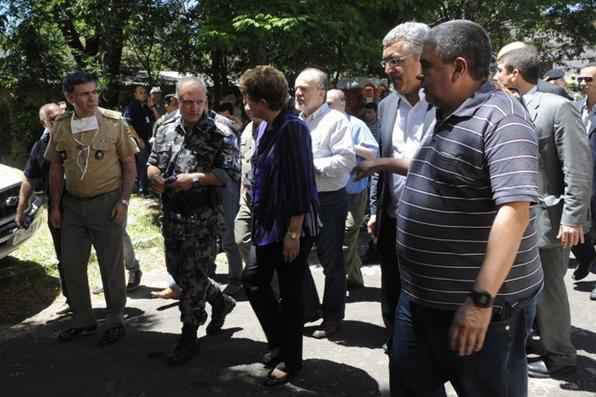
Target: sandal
x=112, y=335
x=276, y=377
x=71, y=333
x=279, y=375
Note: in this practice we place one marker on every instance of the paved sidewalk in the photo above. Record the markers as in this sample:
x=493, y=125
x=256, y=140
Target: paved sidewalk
x=32, y=363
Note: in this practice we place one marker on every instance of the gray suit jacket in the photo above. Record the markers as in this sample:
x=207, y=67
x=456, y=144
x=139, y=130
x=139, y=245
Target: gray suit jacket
x=565, y=165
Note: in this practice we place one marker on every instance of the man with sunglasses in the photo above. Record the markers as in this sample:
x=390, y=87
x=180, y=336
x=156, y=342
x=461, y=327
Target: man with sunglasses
x=587, y=109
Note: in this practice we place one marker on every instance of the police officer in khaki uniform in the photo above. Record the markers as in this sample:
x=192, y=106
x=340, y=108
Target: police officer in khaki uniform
x=92, y=163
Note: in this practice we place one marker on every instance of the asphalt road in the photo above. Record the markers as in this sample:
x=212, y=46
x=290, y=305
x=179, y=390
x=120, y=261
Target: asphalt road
x=32, y=363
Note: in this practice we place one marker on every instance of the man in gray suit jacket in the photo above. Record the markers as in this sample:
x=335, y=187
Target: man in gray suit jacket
x=565, y=187
x=401, y=119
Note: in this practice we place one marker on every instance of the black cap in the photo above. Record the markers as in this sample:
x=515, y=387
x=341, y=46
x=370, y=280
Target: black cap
x=554, y=74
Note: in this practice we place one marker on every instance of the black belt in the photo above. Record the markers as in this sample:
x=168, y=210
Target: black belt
x=78, y=198
x=189, y=202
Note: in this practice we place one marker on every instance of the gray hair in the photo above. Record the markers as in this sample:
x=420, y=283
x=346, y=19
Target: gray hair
x=315, y=75
x=190, y=80
x=465, y=39
x=412, y=34
x=525, y=60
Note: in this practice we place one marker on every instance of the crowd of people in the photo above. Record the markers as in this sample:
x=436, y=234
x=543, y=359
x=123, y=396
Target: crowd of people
x=477, y=181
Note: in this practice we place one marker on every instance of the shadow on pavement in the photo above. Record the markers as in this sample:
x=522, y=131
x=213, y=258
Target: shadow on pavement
x=584, y=339
x=585, y=377
x=356, y=334
x=25, y=290
x=35, y=364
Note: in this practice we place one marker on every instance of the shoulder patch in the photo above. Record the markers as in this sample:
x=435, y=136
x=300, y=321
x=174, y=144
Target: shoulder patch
x=111, y=114
x=65, y=115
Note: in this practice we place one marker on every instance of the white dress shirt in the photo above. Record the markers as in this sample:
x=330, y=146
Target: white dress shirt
x=332, y=148
x=408, y=133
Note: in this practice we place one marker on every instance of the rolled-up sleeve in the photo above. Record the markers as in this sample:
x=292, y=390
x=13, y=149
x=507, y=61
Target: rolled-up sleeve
x=342, y=158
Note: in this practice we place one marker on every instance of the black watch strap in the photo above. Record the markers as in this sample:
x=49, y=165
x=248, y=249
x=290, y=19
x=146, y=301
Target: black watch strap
x=481, y=298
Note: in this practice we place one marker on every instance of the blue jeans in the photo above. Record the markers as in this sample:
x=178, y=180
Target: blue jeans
x=421, y=360
x=333, y=212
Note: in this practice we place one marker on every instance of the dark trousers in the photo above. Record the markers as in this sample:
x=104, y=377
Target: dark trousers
x=282, y=322
x=553, y=315
x=390, y=281
x=56, y=239
x=333, y=212
x=585, y=253
x=421, y=360
x=141, y=159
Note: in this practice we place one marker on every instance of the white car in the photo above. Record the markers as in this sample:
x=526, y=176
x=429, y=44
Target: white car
x=10, y=235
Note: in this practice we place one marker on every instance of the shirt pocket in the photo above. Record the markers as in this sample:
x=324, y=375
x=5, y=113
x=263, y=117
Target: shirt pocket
x=101, y=148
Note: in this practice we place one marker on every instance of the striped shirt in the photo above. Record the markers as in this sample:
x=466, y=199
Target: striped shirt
x=481, y=156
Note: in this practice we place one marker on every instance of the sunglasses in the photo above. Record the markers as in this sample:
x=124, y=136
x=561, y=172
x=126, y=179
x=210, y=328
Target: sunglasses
x=586, y=79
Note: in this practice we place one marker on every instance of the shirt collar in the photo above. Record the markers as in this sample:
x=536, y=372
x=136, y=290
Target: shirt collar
x=421, y=99
x=469, y=106
x=584, y=106
x=529, y=96
x=317, y=114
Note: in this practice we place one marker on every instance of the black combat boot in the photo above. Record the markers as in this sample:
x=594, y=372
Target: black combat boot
x=219, y=310
x=186, y=347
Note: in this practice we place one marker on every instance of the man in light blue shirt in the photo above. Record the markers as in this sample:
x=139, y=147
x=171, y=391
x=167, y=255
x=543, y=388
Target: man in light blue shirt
x=366, y=148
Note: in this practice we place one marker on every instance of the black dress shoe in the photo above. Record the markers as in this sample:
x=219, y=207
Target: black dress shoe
x=328, y=329
x=186, y=347
x=534, y=345
x=537, y=369
x=582, y=270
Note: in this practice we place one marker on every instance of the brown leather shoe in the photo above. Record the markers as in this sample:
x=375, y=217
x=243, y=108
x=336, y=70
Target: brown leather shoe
x=328, y=328
x=167, y=293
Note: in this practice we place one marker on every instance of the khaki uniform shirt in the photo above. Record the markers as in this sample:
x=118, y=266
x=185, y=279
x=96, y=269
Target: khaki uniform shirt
x=99, y=152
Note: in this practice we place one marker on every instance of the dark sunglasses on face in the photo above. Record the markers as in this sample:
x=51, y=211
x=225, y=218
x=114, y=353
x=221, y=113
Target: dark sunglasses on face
x=585, y=79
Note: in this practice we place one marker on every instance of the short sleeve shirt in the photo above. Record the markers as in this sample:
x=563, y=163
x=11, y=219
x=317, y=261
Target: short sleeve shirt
x=483, y=155
x=92, y=159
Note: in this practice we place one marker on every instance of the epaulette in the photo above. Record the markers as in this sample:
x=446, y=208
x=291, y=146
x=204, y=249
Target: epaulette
x=224, y=126
x=111, y=114
x=65, y=115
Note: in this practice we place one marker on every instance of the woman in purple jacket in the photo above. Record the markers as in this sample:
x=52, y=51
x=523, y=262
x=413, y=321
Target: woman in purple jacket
x=285, y=219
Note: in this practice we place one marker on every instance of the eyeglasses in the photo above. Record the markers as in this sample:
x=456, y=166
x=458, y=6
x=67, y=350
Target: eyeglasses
x=585, y=79
x=392, y=62
x=188, y=103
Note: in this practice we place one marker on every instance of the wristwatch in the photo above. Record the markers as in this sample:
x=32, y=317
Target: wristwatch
x=292, y=235
x=195, y=180
x=481, y=298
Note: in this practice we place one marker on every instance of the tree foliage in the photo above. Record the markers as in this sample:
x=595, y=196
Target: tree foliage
x=40, y=40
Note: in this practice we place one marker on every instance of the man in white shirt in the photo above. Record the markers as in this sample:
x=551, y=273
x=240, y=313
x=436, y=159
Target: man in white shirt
x=366, y=148
x=334, y=159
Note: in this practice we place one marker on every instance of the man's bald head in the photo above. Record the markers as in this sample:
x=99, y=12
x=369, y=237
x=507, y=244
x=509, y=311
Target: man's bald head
x=192, y=98
x=336, y=99
x=48, y=114
x=516, y=45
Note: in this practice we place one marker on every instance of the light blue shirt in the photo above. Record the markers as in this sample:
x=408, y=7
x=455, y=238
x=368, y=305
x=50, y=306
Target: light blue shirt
x=362, y=136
